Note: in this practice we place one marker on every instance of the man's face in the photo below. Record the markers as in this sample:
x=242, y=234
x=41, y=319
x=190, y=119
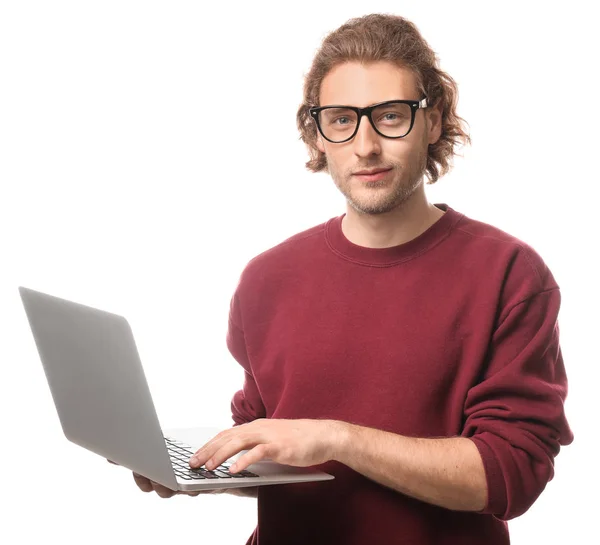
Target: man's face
x=354, y=84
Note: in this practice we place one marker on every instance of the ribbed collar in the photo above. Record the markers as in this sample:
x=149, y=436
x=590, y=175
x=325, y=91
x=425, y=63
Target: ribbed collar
x=384, y=257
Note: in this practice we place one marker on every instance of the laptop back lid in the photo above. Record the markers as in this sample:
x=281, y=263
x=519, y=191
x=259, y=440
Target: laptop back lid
x=98, y=384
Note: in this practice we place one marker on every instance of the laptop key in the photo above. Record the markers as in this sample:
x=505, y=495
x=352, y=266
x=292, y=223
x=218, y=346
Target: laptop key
x=246, y=473
x=222, y=474
x=205, y=473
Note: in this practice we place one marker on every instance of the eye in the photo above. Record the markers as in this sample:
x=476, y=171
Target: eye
x=340, y=119
x=392, y=116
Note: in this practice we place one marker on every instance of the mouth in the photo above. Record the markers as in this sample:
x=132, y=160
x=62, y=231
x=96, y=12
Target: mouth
x=372, y=175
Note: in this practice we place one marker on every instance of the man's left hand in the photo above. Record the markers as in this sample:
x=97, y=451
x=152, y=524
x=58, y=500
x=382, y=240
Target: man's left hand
x=299, y=443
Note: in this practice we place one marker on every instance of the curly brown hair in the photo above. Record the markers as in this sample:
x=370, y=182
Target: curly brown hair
x=385, y=37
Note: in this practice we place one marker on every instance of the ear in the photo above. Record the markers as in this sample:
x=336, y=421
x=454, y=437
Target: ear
x=319, y=143
x=434, y=122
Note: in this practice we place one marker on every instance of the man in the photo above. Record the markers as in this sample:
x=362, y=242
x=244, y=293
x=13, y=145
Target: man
x=408, y=350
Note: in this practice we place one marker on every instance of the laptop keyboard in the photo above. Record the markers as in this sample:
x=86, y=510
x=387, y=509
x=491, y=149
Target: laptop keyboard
x=181, y=453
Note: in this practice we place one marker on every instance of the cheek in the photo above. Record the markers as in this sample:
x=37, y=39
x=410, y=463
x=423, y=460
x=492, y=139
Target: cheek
x=333, y=156
x=398, y=149
x=340, y=163
x=402, y=152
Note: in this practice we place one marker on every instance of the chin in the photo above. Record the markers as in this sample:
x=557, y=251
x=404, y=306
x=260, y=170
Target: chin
x=372, y=208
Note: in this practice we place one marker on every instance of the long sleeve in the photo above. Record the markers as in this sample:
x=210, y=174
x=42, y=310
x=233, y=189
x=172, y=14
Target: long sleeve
x=516, y=415
x=247, y=404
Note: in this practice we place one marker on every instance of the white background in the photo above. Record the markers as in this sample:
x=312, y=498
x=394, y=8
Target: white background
x=126, y=185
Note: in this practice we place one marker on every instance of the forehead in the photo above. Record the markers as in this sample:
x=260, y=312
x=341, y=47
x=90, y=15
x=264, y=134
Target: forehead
x=356, y=84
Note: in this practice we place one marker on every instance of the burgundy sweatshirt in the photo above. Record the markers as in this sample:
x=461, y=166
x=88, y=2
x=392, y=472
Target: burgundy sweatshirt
x=453, y=333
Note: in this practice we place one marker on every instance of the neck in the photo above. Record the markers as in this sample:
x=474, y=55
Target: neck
x=393, y=228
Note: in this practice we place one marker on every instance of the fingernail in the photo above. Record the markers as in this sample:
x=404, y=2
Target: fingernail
x=194, y=461
x=233, y=468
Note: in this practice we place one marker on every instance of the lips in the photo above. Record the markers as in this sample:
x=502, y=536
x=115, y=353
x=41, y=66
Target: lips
x=376, y=176
x=370, y=172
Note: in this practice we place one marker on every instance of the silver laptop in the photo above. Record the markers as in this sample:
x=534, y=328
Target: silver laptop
x=104, y=404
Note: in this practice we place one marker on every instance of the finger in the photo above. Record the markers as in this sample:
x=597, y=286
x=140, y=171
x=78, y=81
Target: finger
x=163, y=491
x=207, y=451
x=198, y=492
x=143, y=483
x=230, y=449
x=259, y=452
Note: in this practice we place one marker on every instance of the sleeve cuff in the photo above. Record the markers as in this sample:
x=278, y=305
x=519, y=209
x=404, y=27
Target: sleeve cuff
x=497, y=497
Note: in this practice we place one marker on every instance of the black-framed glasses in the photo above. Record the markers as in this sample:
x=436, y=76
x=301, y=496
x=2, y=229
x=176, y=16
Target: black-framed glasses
x=391, y=119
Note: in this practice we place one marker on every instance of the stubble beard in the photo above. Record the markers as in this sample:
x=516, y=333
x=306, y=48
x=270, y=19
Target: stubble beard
x=378, y=199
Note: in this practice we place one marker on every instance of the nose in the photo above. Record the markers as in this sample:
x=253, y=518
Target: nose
x=366, y=141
